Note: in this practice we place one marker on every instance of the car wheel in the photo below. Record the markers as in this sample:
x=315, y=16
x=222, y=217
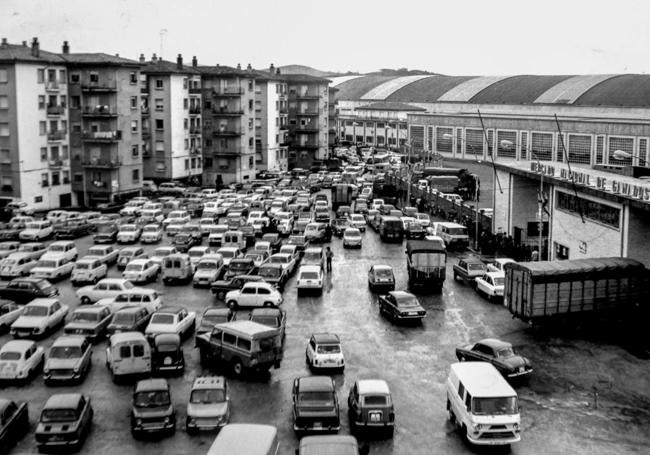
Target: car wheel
x=233, y=305
x=237, y=367
x=462, y=358
x=455, y=276
x=85, y=300
x=268, y=304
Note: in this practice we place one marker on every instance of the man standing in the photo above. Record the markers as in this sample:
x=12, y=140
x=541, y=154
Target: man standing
x=328, y=257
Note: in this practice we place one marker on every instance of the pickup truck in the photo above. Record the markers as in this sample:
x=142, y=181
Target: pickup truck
x=468, y=269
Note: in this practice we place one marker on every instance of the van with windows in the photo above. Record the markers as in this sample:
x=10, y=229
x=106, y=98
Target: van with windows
x=453, y=234
x=177, y=268
x=391, y=228
x=246, y=439
x=128, y=354
x=482, y=405
x=233, y=239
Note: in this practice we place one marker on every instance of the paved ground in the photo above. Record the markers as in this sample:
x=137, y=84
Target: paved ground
x=558, y=408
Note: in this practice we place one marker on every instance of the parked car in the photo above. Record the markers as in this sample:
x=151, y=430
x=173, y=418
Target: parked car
x=212, y=317
x=8, y=248
x=34, y=249
x=258, y=257
x=228, y=253
x=152, y=410
x=88, y=269
x=221, y=287
x=106, y=232
x=318, y=233
x=497, y=265
x=273, y=274
x=90, y=322
x=208, y=269
x=299, y=241
x=310, y=278
x=183, y=241
x=65, y=248
x=172, y=320
x=52, y=267
x=467, y=269
x=315, y=405
x=498, y=353
x=141, y=271
x=16, y=265
x=129, y=233
x=401, y=306
x=36, y=231
x=68, y=360
x=209, y=404
x=73, y=229
x=177, y=268
x=128, y=254
x=167, y=354
x=151, y=233
x=65, y=421
x=14, y=424
x=20, y=362
x=161, y=252
x=324, y=352
x=12, y=230
x=370, y=406
x=381, y=278
x=240, y=266
x=254, y=294
x=413, y=230
x=129, y=319
x=272, y=317
x=9, y=312
x=128, y=354
x=24, y=290
x=39, y=317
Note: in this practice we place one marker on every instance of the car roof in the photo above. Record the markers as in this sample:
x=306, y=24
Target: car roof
x=266, y=312
x=244, y=438
x=122, y=337
x=372, y=386
x=401, y=294
x=147, y=385
x=167, y=338
x=504, y=260
x=139, y=261
x=130, y=309
x=326, y=338
x=89, y=309
x=383, y=267
x=69, y=340
x=130, y=248
x=42, y=302
x=17, y=345
x=496, y=274
x=249, y=328
x=315, y=383
x=209, y=382
x=170, y=309
x=309, y=268
x=216, y=311
x=481, y=379
x=494, y=343
x=63, y=401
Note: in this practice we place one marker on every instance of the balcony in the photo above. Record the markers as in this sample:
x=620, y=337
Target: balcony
x=55, y=110
x=227, y=112
x=196, y=110
x=101, y=136
x=195, y=150
x=99, y=86
x=234, y=151
x=232, y=132
x=144, y=89
x=52, y=86
x=145, y=111
x=99, y=111
x=101, y=163
x=228, y=91
x=307, y=96
x=146, y=134
x=146, y=154
x=195, y=90
x=305, y=113
x=307, y=129
x=58, y=163
x=57, y=135
x=307, y=146
x=195, y=130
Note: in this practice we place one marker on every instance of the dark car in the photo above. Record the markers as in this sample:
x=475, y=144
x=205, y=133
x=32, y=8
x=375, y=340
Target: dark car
x=129, y=319
x=110, y=207
x=167, y=354
x=249, y=234
x=24, y=290
x=106, y=233
x=221, y=287
x=300, y=241
x=90, y=322
x=152, y=411
x=12, y=230
x=370, y=406
x=72, y=229
x=414, y=230
x=14, y=423
x=274, y=240
x=498, y=353
x=318, y=232
x=401, y=306
x=273, y=317
x=468, y=269
x=212, y=317
x=274, y=274
x=240, y=266
x=339, y=225
x=315, y=406
x=183, y=241
x=65, y=421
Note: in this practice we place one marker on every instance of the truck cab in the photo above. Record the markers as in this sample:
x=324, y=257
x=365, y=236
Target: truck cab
x=426, y=264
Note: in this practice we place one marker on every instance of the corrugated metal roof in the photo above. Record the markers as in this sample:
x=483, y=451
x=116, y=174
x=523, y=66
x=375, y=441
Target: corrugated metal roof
x=516, y=90
x=390, y=106
x=567, y=91
x=340, y=79
x=628, y=90
x=468, y=89
x=354, y=89
x=427, y=90
x=383, y=91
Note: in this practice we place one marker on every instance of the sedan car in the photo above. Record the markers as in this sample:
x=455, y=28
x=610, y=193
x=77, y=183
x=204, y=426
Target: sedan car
x=105, y=253
x=254, y=294
x=401, y=306
x=9, y=312
x=274, y=274
x=240, y=266
x=7, y=248
x=129, y=233
x=39, y=317
x=106, y=232
x=90, y=322
x=370, y=406
x=36, y=231
x=24, y=290
x=72, y=229
x=381, y=278
x=129, y=319
x=68, y=360
x=221, y=287
x=287, y=261
x=172, y=320
x=212, y=317
x=128, y=254
x=315, y=405
x=34, y=249
x=108, y=287
x=151, y=233
x=20, y=361
x=491, y=285
x=161, y=252
x=65, y=421
x=141, y=271
x=352, y=238
x=183, y=241
x=358, y=221
x=324, y=352
x=209, y=404
x=14, y=424
x=16, y=264
x=498, y=353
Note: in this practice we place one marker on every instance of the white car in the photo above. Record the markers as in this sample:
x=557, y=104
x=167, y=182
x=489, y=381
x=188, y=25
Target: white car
x=377, y=203
x=208, y=270
x=144, y=297
x=358, y=221
x=172, y=320
x=20, y=208
x=491, y=285
x=324, y=351
x=215, y=237
x=406, y=220
x=455, y=198
x=498, y=264
x=108, y=287
x=229, y=253
x=197, y=252
x=310, y=278
x=34, y=249
x=423, y=219
x=352, y=238
x=287, y=261
x=176, y=217
x=9, y=312
x=105, y=253
x=141, y=271
x=258, y=257
x=36, y=231
x=52, y=267
x=151, y=233
x=17, y=264
x=39, y=317
x=291, y=250
x=88, y=269
x=205, y=224
x=128, y=233
x=66, y=248
x=7, y=248
x=254, y=294
x=160, y=253
x=20, y=360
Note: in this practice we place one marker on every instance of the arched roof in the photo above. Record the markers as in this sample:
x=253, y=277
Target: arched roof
x=383, y=91
x=340, y=79
x=516, y=90
x=427, y=90
x=567, y=91
x=354, y=89
x=628, y=90
x=465, y=91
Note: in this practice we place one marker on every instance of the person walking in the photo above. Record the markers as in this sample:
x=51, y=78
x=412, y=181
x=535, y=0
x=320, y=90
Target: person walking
x=329, y=254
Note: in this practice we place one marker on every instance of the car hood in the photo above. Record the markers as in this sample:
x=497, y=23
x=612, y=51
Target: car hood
x=80, y=325
x=204, y=273
x=29, y=321
x=149, y=413
x=62, y=363
x=496, y=420
x=207, y=410
x=162, y=328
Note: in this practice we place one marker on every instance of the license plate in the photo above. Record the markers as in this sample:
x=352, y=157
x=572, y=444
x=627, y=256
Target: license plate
x=521, y=369
x=318, y=425
x=375, y=417
x=413, y=313
x=167, y=361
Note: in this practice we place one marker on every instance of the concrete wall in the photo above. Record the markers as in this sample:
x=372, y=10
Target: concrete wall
x=177, y=134
x=524, y=202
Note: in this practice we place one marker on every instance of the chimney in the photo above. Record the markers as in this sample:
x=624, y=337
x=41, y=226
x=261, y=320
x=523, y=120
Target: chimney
x=179, y=62
x=277, y=71
x=249, y=68
x=117, y=55
x=65, y=48
x=142, y=59
x=195, y=62
x=4, y=43
x=35, y=47
x=272, y=68
x=238, y=66
x=24, y=43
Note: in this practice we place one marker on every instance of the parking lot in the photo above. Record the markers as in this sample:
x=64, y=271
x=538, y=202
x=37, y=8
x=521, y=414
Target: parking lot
x=584, y=397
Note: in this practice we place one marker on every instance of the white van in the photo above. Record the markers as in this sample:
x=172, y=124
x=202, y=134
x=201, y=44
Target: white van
x=482, y=405
x=454, y=235
x=233, y=239
x=246, y=439
x=128, y=354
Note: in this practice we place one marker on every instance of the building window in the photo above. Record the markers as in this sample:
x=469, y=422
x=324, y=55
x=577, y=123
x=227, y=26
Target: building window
x=134, y=126
x=75, y=78
x=250, y=123
x=94, y=78
x=186, y=124
x=600, y=147
x=75, y=102
x=193, y=163
x=76, y=127
x=187, y=164
x=4, y=129
x=444, y=139
x=625, y=144
x=159, y=104
x=207, y=163
x=250, y=85
x=43, y=153
x=66, y=177
x=595, y=211
x=159, y=84
x=541, y=146
x=38, y=199
x=5, y=156
x=4, y=76
x=185, y=83
x=160, y=166
x=160, y=124
x=187, y=144
x=186, y=103
x=133, y=78
x=135, y=175
x=62, y=77
x=134, y=102
x=507, y=144
x=56, y=179
x=135, y=150
x=579, y=148
x=44, y=179
x=40, y=75
x=251, y=163
x=250, y=142
x=4, y=102
x=78, y=177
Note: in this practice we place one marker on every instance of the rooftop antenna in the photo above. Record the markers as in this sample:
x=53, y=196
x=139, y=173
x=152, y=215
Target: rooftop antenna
x=163, y=32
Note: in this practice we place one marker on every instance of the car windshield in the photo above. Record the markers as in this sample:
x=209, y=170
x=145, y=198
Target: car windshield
x=351, y=233
x=495, y=406
x=428, y=259
x=134, y=267
x=32, y=226
x=96, y=252
x=328, y=349
x=457, y=231
x=35, y=310
x=162, y=319
x=309, y=276
x=105, y=228
x=505, y=353
x=316, y=398
x=46, y=263
x=475, y=266
x=227, y=254
x=42, y=285
x=123, y=318
x=10, y=355
x=82, y=265
x=58, y=415
x=128, y=228
x=207, y=265
x=271, y=321
x=151, y=399
x=255, y=256
x=151, y=229
x=9, y=261
x=65, y=352
x=196, y=253
x=161, y=253
x=213, y=319
x=85, y=316
x=167, y=347
x=499, y=281
x=383, y=273
x=279, y=259
x=207, y=396
x=239, y=266
x=269, y=272
x=375, y=400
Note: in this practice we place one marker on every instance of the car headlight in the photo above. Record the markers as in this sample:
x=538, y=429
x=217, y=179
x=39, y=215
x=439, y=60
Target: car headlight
x=477, y=427
x=46, y=370
x=138, y=421
x=75, y=369
x=166, y=420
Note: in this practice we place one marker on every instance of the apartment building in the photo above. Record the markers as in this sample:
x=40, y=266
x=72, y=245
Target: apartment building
x=271, y=121
x=228, y=124
x=105, y=126
x=34, y=139
x=171, y=121
x=332, y=117
x=308, y=119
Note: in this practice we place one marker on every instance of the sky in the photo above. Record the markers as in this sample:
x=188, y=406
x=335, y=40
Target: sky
x=455, y=37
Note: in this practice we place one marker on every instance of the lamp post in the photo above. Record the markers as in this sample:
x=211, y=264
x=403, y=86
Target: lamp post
x=623, y=155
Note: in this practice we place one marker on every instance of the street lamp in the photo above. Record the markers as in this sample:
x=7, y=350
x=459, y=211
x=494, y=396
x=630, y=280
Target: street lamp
x=623, y=155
